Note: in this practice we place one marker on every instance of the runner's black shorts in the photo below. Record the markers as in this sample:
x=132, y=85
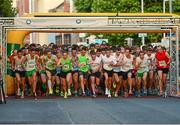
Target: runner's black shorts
x=109, y=72
x=84, y=74
x=21, y=73
x=119, y=73
x=53, y=72
x=125, y=74
x=164, y=70
x=64, y=74
x=96, y=74
x=73, y=72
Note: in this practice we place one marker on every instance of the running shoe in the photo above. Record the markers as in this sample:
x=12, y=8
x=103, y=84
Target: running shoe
x=145, y=92
x=35, y=96
x=138, y=95
x=150, y=92
x=65, y=95
x=125, y=94
x=130, y=92
x=88, y=93
x=80, y=92
x=160, y=93
x=57, y=90
x=18, y=92
x=22, y=95
x=109, y=94
x=76, y=94
x=94, y=95
x=106, y=92
x=156, y=91
x=165, y=95
x=69, y=92
x=50, y=92
x=62, y=94
x=84, y=94
x=115, y=95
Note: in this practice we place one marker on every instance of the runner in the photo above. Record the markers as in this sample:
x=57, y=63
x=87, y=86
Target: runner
x=127, y=66
x=95, y=71
x=58, y=74
x=19, y=72
x=42, y=73
x=31, y=61
x=66, y=73
x=151, y=64
x=142, y=69
x=117, y=70
x=163, y=63
x=107, y=69
x=50, y=66
x=83, y=70
x=74, y=60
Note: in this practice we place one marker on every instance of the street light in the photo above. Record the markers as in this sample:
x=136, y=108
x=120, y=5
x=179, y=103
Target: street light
x=142, y=6
x=142, y=11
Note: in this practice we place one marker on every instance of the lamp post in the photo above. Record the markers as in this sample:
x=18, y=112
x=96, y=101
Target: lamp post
x=170, y=6
x=142, y=11
x=142, y=6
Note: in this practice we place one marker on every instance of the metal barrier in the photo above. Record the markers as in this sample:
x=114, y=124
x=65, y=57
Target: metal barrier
x=91, y=24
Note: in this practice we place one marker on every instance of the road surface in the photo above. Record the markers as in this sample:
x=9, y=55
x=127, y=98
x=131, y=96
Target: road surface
x=92, y=111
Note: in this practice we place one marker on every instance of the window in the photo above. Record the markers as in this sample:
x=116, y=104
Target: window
x=67, y=39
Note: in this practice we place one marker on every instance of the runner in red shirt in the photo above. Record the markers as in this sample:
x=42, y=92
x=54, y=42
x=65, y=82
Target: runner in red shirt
x=163, y=63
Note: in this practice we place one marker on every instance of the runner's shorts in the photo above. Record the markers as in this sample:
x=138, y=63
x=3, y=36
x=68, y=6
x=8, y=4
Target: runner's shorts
x=164, y=70
x=21, y=73
x=109, y=72
x=127, y=74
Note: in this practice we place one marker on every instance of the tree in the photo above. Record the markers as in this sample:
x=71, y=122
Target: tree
x=122, y=6
x=176, y=6
x=125, y=6
x=83, y=5
x=6, y=9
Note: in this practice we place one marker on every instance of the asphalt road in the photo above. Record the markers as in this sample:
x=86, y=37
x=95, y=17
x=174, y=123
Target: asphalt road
x=92, y=111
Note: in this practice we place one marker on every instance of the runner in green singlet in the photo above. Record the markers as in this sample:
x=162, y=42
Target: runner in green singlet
x=50, y=66
x=66, y=73
x=31, y=64
x=83, y=69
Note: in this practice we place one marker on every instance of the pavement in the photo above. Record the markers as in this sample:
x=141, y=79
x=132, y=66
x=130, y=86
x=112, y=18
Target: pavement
x=101, y=110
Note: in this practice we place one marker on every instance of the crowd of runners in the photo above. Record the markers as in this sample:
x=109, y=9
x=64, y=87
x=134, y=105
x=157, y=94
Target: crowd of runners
x=99, y=69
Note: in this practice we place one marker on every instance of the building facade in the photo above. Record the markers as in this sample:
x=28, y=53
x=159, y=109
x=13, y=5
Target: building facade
x=36, y=6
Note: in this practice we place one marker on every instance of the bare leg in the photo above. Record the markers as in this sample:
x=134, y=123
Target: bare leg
x=160, y=82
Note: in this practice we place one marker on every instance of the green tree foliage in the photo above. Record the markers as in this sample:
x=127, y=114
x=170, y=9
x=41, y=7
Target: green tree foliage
x=6, y=9
x=83, y=5
x=176, y=6
x=126, y=6
x=122, y=6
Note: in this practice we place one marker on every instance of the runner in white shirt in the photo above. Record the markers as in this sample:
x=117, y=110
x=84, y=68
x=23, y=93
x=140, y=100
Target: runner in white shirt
x=127, y=66
x=142, y=69
x=107, y=68
x=95, y=71
x=117, y=70
x=98, y=54
x=19, y=72
x=151, y=64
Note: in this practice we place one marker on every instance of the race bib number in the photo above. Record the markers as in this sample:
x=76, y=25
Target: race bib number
x=107, y=67
x=31, y=66
x=162, y=63
x=66, y=67
x=83, y=64
x=19, y=67
x=94, y=66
